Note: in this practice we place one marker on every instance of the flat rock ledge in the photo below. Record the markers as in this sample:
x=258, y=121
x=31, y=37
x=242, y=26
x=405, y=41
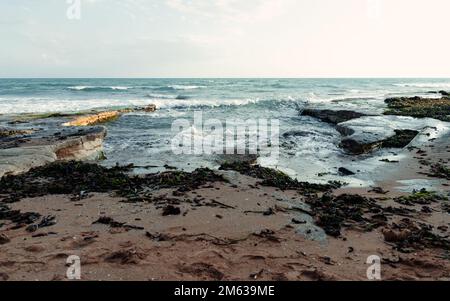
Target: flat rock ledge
x=362, y=134
x=102, y=117
x=20, y=155
x=367, y=134
x=332, y=116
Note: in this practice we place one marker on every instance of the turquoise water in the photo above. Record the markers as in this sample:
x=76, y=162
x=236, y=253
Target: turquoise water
x=145, y=138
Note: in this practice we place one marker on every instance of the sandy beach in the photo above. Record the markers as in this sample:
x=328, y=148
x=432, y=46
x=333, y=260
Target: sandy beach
x=232, y=228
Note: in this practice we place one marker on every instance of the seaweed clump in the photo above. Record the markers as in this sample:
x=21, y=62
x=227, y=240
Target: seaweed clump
x=276, y=178
x=440, y=171
x=332, y=213
x=80, y=177
x=66, y=178
x=422, y=197
x=401, y=139
x=183, y=180
x=407, y=236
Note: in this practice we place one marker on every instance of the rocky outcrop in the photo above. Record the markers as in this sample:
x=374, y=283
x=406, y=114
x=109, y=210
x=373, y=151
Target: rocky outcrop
x=149, y=108
x=102, y=117
x=69, y=144
x=94, y=119
x=370, y=133
x=419, y=107
x=331, y=116
x=400, y=139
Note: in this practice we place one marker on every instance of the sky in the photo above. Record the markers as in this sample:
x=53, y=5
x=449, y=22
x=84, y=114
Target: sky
x=224, y=38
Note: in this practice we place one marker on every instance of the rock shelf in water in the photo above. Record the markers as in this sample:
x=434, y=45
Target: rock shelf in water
x=17, y=156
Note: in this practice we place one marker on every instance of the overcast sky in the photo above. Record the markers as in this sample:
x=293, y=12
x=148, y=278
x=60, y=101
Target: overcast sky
x=225, y=38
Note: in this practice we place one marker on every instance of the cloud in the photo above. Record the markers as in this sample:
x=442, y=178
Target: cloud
x=248, y=11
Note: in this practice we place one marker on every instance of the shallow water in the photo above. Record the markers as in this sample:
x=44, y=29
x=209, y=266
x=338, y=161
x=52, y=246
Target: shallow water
x=310, y=148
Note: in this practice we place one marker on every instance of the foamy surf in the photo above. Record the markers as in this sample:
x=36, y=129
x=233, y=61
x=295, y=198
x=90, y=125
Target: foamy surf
x=93, y=88
x=424, y=85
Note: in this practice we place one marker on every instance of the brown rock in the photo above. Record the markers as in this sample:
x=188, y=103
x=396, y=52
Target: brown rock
x=94, y=119
x=150, y=108
x=395, y=236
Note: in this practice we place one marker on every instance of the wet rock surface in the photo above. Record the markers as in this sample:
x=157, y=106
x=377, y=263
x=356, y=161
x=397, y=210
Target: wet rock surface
x=10, y=132
x=362, y=145
x=420, y=107
x=331, y=116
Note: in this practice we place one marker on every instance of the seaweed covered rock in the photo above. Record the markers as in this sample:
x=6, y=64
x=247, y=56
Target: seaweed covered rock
x=401, y=139
x=362, y=146
x=419, y=107
x=276, y=178
x=333, y=117
x=367, y=134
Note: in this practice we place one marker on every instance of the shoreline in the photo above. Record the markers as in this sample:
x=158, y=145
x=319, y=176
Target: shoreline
x=243, y=222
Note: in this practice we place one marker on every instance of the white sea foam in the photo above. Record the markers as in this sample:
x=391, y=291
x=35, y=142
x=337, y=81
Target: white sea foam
x=81, y=88
x=46, y=105
x=352, y=96
x=424, y=85
x=186, y=87
x=164, y=103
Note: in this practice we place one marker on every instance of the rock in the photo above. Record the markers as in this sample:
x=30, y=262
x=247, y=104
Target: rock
x=150, y=108
x=72, y=144
x=333, y=117
x=358, y=147
x=420, y=107
x=401, y=139
x=444, y=93
x=94, y=119
x=369, y=133
x=345, y=172
x=4, y=239
x=102, y=117
x=296, y=133
x=171, y=210
x=8, y=132
x=395, y=236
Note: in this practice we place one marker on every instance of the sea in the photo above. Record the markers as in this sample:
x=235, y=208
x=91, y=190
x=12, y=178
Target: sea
x=308, y=148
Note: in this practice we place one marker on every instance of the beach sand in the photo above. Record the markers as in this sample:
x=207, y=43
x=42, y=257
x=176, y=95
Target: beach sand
x=235, y=230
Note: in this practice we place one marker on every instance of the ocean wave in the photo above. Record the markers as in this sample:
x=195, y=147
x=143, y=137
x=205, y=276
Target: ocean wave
x=193, y=103
x=99, y=88
x=165, y=96
x=185, y=87
x=314, y=98
x=52, y=105
x=424, y=85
